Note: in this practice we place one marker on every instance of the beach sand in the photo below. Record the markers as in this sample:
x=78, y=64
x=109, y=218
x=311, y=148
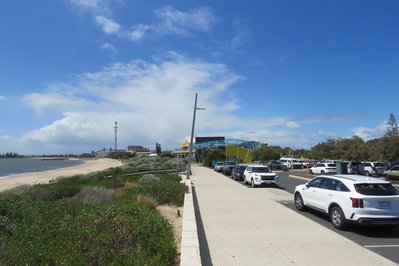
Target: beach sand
x=43, y=177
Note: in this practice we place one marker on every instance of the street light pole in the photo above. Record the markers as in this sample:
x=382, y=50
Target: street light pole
x=191, y=139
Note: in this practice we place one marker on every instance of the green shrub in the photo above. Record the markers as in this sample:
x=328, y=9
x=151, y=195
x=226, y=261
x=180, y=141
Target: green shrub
x=119, y=232
x=146, y=178
x=92, y=196
x=166, y=190
x=40, y=226
x=147, y=201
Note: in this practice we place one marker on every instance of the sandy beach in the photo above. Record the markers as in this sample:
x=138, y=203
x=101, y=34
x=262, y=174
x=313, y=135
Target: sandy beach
x=43, y=177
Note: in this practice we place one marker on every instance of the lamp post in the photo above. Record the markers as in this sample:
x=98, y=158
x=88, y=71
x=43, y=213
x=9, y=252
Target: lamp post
x=190, y=150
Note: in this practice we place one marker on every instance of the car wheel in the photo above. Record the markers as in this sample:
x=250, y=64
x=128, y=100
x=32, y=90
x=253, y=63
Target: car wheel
x=299, y=202
x=252, y=183
x=337, y=218
x=367, y=173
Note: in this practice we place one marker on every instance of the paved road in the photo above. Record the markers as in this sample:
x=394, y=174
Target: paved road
x=383, y=241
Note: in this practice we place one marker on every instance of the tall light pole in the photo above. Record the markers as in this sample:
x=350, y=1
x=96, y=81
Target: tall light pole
x=190, y=150
x=116, y=133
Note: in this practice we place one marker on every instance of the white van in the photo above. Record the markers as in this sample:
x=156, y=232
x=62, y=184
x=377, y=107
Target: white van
x=291, y=162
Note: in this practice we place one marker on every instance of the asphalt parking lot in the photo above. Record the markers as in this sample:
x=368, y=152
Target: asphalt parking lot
x=381, y=240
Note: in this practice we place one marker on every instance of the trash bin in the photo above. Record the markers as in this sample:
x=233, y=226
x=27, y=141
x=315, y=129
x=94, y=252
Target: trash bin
x=342, y=168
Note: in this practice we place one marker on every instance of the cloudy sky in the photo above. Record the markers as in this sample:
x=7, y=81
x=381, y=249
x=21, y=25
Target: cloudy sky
x=289, y=73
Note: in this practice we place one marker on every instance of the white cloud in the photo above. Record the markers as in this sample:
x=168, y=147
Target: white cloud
x=171, y=21
x=91, y=6
x=370, y=133
x=139, y=32
x=54, y=101
x=107, y=25
x=150, y=101
x=292, y=124
x=110, y=47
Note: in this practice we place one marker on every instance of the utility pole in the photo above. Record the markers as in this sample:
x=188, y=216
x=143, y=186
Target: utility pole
x=191, y=139
x=116, y=133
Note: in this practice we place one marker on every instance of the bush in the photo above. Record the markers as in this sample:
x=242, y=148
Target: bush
x=97, y=228
x=92, y=196
x=118, y=232
x=147, y=201
x=166, y=190
x=146, y=178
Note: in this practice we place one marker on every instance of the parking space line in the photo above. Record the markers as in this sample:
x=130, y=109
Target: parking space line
x=381, y=246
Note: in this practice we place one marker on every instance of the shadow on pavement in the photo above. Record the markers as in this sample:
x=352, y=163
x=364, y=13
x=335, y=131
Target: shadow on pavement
x=203, y=243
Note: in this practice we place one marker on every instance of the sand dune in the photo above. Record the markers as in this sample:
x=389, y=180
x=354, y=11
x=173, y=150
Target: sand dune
x=43, y=177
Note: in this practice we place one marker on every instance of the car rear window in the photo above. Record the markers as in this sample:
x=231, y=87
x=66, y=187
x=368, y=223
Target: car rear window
x=331, y=165
x=376, y=189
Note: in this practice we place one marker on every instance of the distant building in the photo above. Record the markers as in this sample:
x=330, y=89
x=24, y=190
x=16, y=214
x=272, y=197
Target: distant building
x=136, y=148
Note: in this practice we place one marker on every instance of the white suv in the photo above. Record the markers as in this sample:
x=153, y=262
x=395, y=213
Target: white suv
x=257, y=175
x=350, y=198
x=323, y=168
x=374, y=168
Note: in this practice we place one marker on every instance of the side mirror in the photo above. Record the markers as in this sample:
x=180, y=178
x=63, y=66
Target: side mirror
x=307, y=185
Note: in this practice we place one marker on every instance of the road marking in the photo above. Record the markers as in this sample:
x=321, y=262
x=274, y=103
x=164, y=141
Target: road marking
x=381, y=246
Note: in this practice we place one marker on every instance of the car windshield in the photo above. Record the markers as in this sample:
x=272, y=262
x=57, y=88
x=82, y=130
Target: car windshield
x=261, y=170
x=376, y=189
x=379, y=165
x=230, y=163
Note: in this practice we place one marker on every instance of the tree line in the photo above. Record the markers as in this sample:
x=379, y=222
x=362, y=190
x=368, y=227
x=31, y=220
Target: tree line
x=383, y=149
x=10, y=155
x=355, y=148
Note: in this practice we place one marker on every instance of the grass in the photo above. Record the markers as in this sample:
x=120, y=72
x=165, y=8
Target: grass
x=100, y=219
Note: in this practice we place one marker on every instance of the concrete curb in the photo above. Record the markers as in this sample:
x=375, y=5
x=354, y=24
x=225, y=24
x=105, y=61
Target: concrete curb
x=190, y=251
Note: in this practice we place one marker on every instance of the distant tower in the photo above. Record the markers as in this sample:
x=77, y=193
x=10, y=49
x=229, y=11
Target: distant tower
x=116, y=133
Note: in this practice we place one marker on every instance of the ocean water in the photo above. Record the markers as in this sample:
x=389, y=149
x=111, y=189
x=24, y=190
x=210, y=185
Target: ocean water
x=24, y=165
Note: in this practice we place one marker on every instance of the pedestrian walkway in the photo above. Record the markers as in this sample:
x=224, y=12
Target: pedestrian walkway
x=238, y=225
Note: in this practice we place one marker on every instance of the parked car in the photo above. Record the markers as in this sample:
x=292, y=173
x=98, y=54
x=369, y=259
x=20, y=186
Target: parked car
x=238, y=172
x=308, y=163
x=258, y=175
x=393, y=173
x=350, y=198
x=276, y=165
x=291, y=162
x=392, y=164
x=219, y=166
x=374, y=168
x=228, y=166
x=356, y=168
x=323, y=168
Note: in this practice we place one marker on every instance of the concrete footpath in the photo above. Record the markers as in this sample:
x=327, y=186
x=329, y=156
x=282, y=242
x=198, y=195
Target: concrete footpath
x=238, y=225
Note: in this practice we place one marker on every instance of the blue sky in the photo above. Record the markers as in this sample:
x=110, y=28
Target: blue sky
x=287, y=73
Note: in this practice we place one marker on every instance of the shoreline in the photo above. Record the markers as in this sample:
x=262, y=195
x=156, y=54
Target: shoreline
x=44, y=177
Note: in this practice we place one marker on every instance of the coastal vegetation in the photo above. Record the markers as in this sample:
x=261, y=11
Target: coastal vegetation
x=10, y=155
x=103, y=218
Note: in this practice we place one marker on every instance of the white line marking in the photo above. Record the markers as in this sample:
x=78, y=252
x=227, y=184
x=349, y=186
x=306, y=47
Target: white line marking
x=381, y=246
